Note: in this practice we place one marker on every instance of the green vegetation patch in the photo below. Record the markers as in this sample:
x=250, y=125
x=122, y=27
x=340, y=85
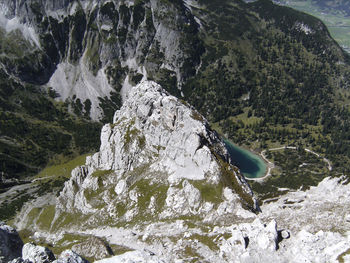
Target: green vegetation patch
x=229, y=179
x=265, y=83
x=118, y=249
x=62, y=169
x=197, y=116
x=209, y=192
x=66, y=220
x=46, y=217
x=33, y=215
x=206, y=240
x=147, y=190
x=101, y=173
x=9, y=208
x=335, y=17
x=13, y=43
x=133, y=134
x=38, y=130
x=94, y=197
x=67, y=242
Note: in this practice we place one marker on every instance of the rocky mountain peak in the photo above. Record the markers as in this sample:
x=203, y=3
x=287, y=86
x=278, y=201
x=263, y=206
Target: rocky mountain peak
x=158, y=159
x=157, y=129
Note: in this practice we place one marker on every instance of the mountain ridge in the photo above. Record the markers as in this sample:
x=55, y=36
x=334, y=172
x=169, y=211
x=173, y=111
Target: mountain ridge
x=265, y=75
x=119, y=45
x=173, y=219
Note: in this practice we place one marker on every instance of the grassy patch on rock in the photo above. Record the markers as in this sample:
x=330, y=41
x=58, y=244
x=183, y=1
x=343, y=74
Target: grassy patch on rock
x=62, y=169
x=209, y=192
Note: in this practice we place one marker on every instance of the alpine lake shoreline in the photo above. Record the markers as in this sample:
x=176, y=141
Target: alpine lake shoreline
x=250, y=164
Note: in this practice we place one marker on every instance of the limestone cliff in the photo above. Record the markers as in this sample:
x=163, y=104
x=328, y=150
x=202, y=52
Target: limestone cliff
x=159, y=159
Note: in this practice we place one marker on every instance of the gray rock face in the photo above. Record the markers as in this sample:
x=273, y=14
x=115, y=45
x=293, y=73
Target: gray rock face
x=10, y=243
x=20, y=260
x=69, y=256
x=92, y=48
x=37, y=254
x=154, y=160
x=93, y=247
x=253, y=239
x=155, y=128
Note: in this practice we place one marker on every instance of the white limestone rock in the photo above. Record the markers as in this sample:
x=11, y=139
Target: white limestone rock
x=229, y=204
x=251, y=240
x=305, y=28
x=347, y=218
x=319, y=247
x=316, y=221
x=72, y=196
x=182, y=201
x=69, y=256
x=77, y=80
x=133, y=257
x=19, y=260
x=157, y=141
x=285, y=234
x=120, y=187
x=154, y=127
x=323, y=207
x=37, y=254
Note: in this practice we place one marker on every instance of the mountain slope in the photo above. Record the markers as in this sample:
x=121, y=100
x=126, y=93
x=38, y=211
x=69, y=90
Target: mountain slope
x=162, y=188
x=159, y=162
x=265, y=75
x=157, y=150
x=34, y=129
x=335, y=14
x=272, y=76
x=96, y=45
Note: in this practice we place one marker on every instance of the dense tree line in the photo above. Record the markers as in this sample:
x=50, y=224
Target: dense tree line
x=35, y=129
x=287, y=80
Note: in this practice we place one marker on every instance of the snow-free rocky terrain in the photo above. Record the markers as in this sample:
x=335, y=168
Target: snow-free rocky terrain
x=162, y=189
x=90, y=51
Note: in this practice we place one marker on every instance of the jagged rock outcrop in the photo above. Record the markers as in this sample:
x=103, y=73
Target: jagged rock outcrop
x=251, y=240
x=158, y=159
x=37, y=254
x=69, y=256
x=12, y=250
x=93, y=247
x=157, y=129
x=10, y=243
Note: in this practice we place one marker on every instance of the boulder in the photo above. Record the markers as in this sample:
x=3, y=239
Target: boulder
x=93, y=247
x=37, y=254
x=69, y=256
x=10, y=243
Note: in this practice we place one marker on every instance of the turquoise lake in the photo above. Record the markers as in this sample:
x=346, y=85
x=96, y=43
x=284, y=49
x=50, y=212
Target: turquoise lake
x=251, y=165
